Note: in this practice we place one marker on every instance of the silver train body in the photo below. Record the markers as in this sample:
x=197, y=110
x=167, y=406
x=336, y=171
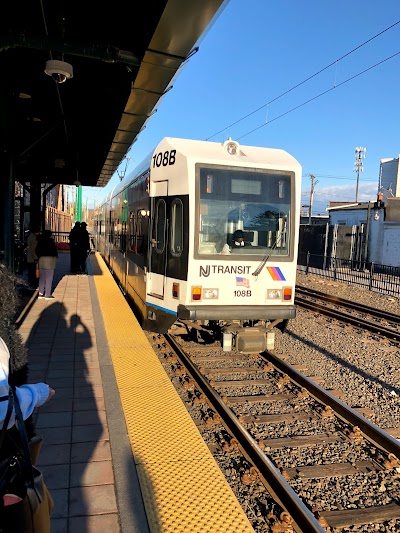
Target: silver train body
x=168, y=232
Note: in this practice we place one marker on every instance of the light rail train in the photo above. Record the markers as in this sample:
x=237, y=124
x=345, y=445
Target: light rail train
x=205, y=234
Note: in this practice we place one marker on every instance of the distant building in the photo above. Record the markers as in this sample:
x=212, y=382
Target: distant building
x=315, y=219
x=347, y=213
x=332, y=205
x=381, y=225
x=389, y=178
x=374, y=226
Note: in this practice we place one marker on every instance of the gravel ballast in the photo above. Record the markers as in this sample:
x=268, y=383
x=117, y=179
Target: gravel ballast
x=365, y=368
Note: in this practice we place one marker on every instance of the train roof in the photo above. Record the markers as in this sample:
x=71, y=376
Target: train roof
x=214, y=152
x=206, y=150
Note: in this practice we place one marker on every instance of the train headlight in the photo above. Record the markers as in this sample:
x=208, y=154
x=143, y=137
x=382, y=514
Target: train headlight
x=274, y=294
x=210, y=294
x=196, y=294
x=232, y=147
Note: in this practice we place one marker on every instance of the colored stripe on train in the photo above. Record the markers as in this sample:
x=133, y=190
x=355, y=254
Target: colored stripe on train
x=276, y=274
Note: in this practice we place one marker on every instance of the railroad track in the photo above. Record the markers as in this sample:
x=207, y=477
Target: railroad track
x=333, y=306
x=314, y=455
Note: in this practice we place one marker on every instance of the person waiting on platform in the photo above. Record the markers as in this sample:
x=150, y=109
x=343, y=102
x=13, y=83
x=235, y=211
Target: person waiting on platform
x=31, y=256
x=238, y=239
x=46, y=251
x=73, y=247
x=83, y=248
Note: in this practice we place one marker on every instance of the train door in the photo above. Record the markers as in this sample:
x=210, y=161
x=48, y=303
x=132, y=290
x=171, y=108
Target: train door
x=158, y=240
x=110, y=235
x=122, y=247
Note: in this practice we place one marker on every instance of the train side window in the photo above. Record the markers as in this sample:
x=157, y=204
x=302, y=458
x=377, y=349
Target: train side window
x=111, y=228
x=160, y=226
x=122, y=238
x=132, y=232
x=116, y=232
x=176, y=227
x=140, y=231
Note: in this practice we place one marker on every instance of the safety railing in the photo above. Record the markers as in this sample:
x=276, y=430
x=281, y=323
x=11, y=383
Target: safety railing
x=61, y=238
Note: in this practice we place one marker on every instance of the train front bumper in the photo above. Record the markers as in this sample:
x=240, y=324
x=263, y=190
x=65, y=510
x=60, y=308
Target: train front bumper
x=243, y=312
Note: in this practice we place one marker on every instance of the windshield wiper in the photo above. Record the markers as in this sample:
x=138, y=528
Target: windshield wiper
x=267, y=256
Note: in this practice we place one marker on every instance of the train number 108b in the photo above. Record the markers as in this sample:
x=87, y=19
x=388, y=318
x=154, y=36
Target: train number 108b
x=164, y=158
x=243, y=293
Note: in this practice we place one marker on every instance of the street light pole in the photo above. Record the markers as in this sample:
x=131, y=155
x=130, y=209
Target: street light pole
x=358, y=165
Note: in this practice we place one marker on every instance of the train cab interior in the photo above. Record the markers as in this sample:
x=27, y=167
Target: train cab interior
x=240, y=238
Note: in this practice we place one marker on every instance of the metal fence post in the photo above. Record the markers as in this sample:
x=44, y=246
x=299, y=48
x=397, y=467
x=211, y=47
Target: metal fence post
x=308, y=262
x=371, y=273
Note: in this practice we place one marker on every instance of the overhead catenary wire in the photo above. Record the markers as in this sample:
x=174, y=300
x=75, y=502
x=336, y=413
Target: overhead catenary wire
x=321, y=94
x=303, y=82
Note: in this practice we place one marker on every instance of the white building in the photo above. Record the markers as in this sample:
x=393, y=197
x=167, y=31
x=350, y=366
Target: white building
x=381, y=226
x=389, y=178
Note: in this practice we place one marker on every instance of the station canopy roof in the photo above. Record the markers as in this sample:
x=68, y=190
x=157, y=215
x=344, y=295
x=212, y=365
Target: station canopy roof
x=123, y=54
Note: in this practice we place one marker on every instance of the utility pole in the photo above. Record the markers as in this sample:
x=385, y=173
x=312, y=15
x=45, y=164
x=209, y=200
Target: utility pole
x=358, y=165
x=313, y=184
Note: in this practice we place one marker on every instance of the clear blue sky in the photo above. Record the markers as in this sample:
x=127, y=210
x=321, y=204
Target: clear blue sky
x=259, y=49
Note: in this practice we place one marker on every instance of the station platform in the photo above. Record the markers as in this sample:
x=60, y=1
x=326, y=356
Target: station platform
x=120, y=452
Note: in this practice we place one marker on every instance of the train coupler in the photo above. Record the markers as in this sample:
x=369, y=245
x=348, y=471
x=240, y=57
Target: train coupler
x=247, y=340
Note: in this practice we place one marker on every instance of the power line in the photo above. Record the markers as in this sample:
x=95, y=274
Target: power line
x=326, y=197
x=321, y=94
x=330, y=176
x=344, y=178
x=306, y=80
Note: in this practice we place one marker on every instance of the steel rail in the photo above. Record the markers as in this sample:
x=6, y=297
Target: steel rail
x=304, y=520
x=379, y=313
x=379, y=437
x=345, y=317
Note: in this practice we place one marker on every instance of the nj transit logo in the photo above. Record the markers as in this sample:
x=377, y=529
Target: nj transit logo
x=224, y=269
x=204, y=271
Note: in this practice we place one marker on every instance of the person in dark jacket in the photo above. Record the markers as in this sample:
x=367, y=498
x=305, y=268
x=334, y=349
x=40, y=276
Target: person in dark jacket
x=238, y=239
x=83, y=248
x=46, y=251
x=73, y=247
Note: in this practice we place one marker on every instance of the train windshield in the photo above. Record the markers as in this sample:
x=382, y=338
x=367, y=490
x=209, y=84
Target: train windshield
x=244, y=212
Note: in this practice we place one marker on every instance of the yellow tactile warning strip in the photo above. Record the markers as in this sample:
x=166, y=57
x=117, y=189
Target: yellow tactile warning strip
x=183, y=488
